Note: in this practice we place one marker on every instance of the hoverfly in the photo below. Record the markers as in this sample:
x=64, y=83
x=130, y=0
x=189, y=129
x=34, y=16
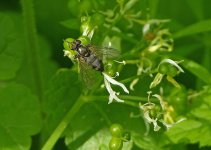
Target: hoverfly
x=90, y=59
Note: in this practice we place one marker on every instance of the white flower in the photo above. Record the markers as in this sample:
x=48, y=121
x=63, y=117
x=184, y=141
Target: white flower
x=152, y=22
x=164, y=108
x=162, y=103
x=113, y=94
x=146, y=110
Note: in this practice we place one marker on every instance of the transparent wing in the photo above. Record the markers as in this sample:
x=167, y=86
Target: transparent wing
x=104, y=52
x=87, y=73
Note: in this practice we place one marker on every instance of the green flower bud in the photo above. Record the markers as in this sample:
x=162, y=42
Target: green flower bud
x=163, y=68
x=84, y=40
x=172, y=71
x=67, y=43
x=85, y=25
x=168, y=69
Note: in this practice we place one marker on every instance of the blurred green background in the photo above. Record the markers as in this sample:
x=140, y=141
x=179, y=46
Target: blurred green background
x=190, y=25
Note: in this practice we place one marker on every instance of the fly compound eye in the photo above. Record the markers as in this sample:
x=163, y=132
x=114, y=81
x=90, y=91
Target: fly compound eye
x=73, y=46
x=77, y=42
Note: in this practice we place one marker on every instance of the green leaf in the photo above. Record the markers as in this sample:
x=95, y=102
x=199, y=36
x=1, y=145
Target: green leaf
x=203, y=112
x=47, y=69
x=198, y=70
x=20, y=117
x=71, y=23
x=203, y=109
x=11, y=47
x=154, y=141
x=191, y=131
x=99, y=140
x=197, y=8
x=61, y=94
x=199, y=27
x=83, y=125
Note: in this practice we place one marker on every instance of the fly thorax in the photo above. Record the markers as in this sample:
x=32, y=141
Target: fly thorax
x=83, y=51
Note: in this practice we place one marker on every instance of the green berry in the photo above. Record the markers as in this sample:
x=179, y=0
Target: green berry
x=167, y=69
x=163, y=68
x=115, y=143
x=172, y=71
x=116, y=130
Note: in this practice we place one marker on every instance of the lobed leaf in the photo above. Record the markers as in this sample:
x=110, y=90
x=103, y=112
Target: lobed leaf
x=62, y=92
x=11, y=47
x=20, y=117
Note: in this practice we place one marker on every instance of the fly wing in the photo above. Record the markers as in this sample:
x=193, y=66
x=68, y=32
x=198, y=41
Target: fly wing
x=104, y=52
x=87, y=73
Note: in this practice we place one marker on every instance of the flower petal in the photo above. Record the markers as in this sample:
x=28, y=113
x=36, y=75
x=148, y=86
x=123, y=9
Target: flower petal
x=172, y=63
x=112, y=94
x=111, y=80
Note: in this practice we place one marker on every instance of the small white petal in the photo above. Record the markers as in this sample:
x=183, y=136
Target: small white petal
x=173, y=63
x=156, y=126
x=118, y=99
x=120, y=62
x=110, y=100
x=112, y=94
x=150, y=120
x=146, y=28
x=162, y=103
x=168, y=126
x=66, y=52
x=115, y=82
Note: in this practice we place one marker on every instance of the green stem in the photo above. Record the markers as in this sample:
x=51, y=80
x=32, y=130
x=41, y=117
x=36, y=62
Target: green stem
x=124, y=97
x=32, y=53
x=82, y=100
x=129, y=103
x=63, y=125
x=138, y=98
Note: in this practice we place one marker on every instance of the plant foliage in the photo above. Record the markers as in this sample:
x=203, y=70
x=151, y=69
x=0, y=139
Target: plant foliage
x=155, y=95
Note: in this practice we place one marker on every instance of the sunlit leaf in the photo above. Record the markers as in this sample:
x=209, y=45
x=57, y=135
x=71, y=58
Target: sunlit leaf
x=190, y=131
x=150, y=142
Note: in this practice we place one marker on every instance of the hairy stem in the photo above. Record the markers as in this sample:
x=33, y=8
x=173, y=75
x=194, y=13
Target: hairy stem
x=31, y=41
x=63, y=125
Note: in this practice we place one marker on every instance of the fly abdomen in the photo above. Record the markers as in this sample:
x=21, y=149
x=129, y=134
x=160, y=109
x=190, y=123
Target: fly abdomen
x=95, y=62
